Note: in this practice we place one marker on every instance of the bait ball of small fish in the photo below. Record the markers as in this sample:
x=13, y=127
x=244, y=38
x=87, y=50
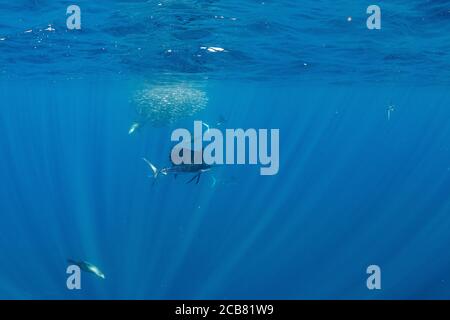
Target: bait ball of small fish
x=163, y=105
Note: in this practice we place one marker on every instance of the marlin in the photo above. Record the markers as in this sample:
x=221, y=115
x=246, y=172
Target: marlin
x=176, y=169
x=87, y=267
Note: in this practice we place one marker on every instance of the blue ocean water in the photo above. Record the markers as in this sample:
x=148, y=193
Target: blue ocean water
x=364, y=173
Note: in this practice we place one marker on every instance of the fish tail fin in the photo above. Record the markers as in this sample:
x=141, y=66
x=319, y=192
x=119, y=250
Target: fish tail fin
x=214, y=181
x=154, y=170
x=206, y=125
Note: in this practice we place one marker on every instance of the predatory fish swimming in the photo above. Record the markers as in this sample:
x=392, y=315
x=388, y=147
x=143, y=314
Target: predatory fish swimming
x=88, y=267
x=175, y=169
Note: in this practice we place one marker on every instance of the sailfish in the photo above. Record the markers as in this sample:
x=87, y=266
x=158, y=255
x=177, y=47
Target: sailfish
x=176, y=169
